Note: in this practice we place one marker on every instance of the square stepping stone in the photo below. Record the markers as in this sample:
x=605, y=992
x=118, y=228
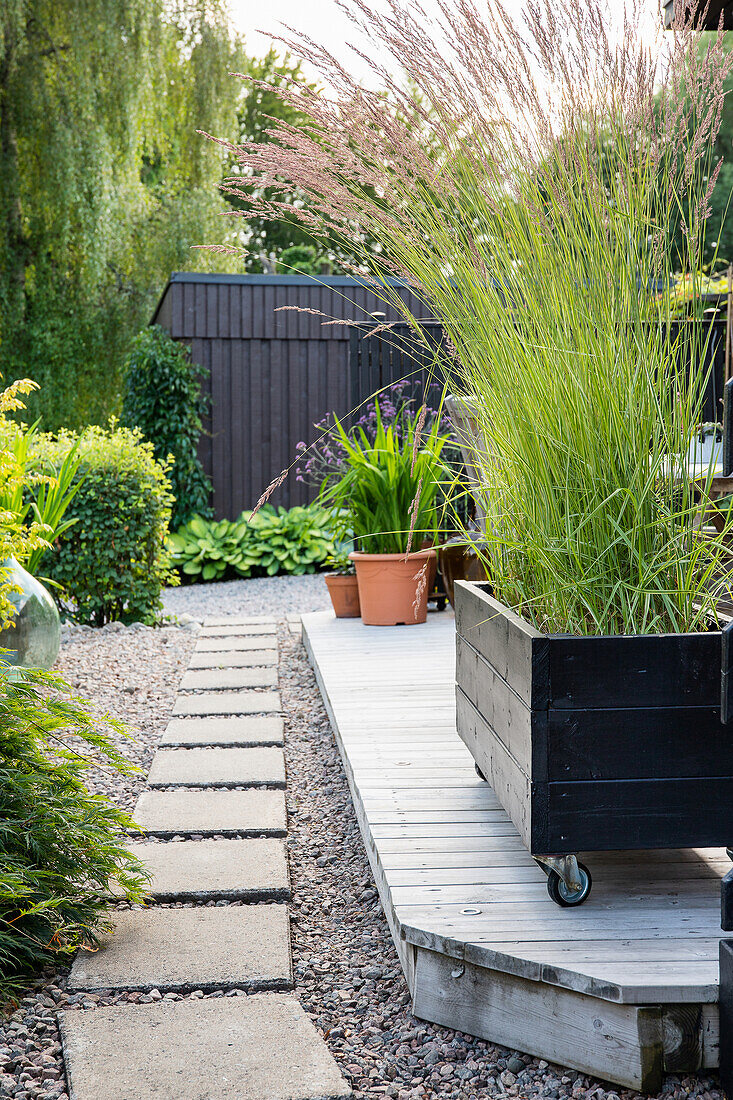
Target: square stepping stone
x=262, y=766
x=217, y=679
x=238, y=620
x=209, y=870
x=249, y=729
x=262, y=1047
x=234, y=643
x=229, y=702
x=237, y=630
x=232, y=813
x=244, y=947
x=241, y=659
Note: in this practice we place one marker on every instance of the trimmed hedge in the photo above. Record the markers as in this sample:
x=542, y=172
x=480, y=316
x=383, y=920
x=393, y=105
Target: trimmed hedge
x=113, y=562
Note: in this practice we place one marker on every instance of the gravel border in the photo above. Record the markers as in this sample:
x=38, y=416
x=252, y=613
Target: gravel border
x=276, y=596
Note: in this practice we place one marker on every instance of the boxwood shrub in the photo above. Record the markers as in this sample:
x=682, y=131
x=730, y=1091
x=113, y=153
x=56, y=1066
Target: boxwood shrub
x=113, y=562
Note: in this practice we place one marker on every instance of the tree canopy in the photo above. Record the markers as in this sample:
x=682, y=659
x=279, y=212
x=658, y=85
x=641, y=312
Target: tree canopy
x=104, y=182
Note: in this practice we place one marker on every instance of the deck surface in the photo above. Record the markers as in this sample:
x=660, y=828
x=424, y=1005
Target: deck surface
x=453, y=875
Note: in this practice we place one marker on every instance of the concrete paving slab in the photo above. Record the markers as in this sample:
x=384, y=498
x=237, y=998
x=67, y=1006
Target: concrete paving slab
x=262, y=1047
x=240, y=659
x=234, y=643
x=173, y=950
x=238, y=620
x=207, y=813
x=237, y=630
x=218, y=679
x=246, y=729
x=208, y=870
x=262, y=766
x=229, y=702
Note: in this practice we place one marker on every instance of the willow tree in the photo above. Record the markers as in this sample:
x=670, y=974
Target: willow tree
x=104, y=183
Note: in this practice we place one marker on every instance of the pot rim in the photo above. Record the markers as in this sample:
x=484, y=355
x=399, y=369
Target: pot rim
x=360, y=555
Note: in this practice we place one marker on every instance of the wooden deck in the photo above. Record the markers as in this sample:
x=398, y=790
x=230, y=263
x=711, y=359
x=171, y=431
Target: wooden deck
x=624, y=987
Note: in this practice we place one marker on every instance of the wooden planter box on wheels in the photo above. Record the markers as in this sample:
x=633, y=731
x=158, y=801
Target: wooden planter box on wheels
x=595, y=743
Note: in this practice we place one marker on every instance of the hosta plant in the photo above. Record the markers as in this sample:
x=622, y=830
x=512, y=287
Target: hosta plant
x=272, y=540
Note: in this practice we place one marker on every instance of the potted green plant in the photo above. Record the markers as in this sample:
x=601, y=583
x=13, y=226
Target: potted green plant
x=343, y=587
x=386, y=498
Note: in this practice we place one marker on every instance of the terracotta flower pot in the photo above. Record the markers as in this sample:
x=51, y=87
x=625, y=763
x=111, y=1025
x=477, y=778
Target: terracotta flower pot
x=392, y=590
x=344, y=592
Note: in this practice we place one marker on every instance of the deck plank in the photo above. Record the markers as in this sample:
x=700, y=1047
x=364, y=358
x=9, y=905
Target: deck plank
x=453, y=875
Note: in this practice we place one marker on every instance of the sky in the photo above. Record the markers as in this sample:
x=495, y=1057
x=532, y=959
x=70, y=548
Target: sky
x=260, y=21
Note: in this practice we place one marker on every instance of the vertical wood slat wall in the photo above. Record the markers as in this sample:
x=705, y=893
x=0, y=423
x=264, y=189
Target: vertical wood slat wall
x=270, y=375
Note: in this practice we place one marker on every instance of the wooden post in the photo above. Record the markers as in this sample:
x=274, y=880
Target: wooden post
x=726, y=1014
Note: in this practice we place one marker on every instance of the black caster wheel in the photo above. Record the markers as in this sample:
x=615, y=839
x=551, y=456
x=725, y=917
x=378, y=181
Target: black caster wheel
x=562, y=894
x=480, y=774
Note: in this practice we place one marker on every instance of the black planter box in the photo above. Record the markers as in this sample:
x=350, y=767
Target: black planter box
x=595, y=743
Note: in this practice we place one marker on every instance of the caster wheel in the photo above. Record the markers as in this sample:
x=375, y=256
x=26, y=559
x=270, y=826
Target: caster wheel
x=562, y=894
x=480, y=774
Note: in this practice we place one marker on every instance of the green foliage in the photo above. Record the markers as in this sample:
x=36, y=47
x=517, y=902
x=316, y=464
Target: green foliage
x=271, y=541
x=104, y=182
x=300, y=259
x=60, y=846
x=386, y=498
x=40, y=498
x=164, y=399
x=113, y=562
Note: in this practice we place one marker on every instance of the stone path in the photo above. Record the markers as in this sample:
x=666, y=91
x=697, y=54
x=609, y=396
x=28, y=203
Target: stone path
x=215, y=814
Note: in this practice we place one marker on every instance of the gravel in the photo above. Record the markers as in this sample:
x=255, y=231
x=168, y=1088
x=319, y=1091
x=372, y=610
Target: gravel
x=276, y=596
x=347, y=973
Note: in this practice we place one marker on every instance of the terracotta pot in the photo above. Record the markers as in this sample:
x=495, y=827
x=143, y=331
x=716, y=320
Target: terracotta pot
x=393, y=591
x=344, y=592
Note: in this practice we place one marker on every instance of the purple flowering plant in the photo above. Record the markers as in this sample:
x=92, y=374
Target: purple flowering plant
x=399, y=404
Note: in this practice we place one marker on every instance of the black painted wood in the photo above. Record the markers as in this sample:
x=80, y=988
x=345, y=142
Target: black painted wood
x=725, y=1001
x=627, y=748
x=726, y=902
x=726, y=676
x=708, y=14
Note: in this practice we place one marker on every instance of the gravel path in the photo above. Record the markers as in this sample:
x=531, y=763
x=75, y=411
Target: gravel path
x=347, y=973
x=278, y=596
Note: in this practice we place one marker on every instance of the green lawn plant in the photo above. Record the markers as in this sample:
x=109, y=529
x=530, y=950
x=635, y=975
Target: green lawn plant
x=270, y=541
x=531, y=190
x=386, y=498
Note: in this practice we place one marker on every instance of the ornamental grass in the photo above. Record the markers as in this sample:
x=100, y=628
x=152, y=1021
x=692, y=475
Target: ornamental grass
x=527, y=176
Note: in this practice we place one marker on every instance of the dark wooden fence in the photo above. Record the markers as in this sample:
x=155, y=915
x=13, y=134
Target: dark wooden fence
x=271, y=375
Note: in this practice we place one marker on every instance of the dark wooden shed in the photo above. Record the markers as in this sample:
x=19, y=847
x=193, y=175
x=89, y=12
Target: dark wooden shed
x=271, y=375
x=708, y=14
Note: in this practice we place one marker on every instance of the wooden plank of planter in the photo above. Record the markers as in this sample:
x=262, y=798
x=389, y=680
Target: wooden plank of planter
x=506, y=642
x=496, y=702
x=673, y=813
x=667, y=670
x=659, y=742
x=627, y=1046
x=507, y=777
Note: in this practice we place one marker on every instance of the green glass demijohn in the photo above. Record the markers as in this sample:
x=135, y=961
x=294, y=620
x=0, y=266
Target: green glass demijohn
x=33, y=639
